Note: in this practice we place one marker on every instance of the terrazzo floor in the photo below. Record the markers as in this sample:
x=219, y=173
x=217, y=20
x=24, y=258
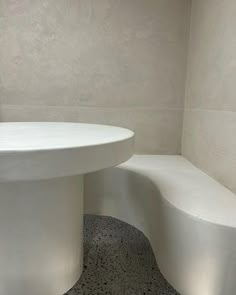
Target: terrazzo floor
x=118, y=260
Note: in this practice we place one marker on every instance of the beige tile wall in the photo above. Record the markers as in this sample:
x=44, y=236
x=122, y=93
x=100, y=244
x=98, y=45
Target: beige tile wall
x=209, y=133
x=119, y=62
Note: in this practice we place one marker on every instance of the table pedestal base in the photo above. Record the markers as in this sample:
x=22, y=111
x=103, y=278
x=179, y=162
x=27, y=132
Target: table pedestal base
x=41, y=236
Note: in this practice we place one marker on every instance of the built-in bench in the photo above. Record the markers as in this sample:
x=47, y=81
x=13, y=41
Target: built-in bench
x=189, y=218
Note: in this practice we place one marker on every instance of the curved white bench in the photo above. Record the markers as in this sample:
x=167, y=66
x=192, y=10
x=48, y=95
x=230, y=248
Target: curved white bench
x=189, y=218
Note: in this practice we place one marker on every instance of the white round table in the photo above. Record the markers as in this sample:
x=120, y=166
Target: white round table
x=41, y=200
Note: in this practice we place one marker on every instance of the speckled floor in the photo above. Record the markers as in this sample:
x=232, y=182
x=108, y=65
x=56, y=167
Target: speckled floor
x=118, y=260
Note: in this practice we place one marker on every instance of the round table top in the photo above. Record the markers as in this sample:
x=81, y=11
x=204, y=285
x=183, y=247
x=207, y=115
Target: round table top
x=47, y=136
x=36, y=150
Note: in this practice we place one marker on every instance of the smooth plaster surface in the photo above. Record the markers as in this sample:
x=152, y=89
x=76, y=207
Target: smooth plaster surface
x=114, y=62
x=209, y=133
x=123, y=63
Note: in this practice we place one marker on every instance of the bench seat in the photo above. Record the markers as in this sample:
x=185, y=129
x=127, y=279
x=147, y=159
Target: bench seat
x=188, y=217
